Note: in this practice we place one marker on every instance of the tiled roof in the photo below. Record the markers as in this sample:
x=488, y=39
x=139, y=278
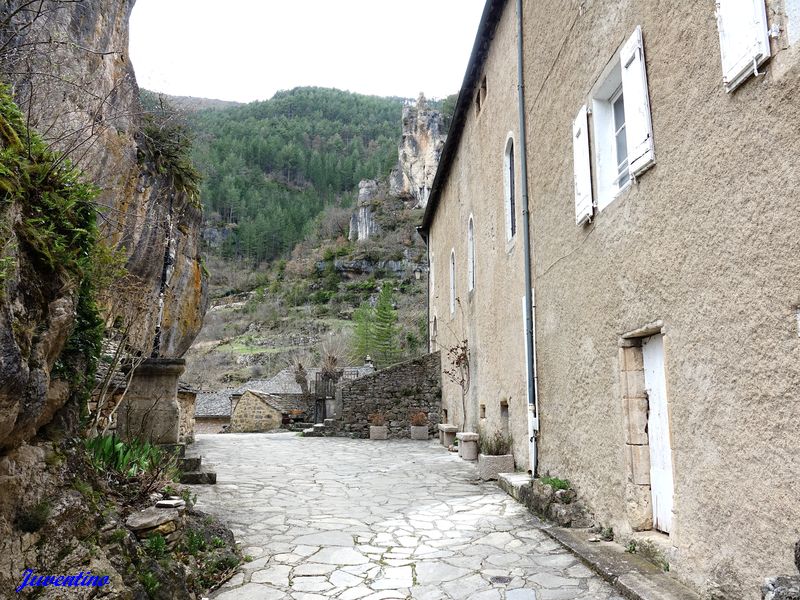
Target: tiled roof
x=213, y=404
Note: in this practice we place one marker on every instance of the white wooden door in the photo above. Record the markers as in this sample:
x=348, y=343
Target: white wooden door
x=658, y=432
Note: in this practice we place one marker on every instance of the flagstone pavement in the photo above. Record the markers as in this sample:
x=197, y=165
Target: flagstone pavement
x=359, y=520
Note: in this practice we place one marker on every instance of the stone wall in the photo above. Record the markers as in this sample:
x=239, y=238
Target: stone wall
x=254, y=414
x=397, y=393
x=210, y=424
x=186, y=403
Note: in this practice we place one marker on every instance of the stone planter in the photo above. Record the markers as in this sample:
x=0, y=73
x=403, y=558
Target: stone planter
x=489, y=466
x=378, y=432
x=419, y=432
x=447, y=434
x=468, y=445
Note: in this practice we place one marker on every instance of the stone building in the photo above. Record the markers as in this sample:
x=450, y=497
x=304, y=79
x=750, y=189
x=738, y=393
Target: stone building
x=648, y=181
x=212, y=411
x=260, y=412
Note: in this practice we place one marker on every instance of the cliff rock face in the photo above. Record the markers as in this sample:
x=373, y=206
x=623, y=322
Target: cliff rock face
x=69, y=70
x=418, y=153
x=362, y=223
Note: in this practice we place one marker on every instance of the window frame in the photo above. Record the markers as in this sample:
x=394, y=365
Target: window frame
x=509, y=190
x=606, y=173
x=452, y=282
x=471, y=254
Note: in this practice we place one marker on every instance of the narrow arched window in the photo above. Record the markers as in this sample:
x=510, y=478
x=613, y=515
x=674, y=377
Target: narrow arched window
x=509, y=188
x=452, y=281
x=471, y=254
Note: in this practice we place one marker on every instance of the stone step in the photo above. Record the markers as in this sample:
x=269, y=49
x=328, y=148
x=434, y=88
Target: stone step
x=319, y=427
x=178, y=450
x=516, y=485
x=328, y=423
x=190, y=463
x=199, y=477
x=312, y=432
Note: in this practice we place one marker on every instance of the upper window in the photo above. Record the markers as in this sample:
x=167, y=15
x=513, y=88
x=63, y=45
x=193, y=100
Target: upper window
x=509, y=189
x=471, y=254
x=743, y=39
x=480, y=96
x=622, y=131
x=452, y=282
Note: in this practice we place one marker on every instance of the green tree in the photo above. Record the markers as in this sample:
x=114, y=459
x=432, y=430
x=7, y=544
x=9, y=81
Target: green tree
x=376, y=331
x=363, y=332
x=387, y=332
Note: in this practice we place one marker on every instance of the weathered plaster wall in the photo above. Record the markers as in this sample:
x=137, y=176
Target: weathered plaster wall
x=475, y=186
x=705, y=241
x=396, y=392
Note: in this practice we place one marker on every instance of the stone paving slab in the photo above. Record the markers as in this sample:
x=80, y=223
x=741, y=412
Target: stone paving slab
x=358, y=520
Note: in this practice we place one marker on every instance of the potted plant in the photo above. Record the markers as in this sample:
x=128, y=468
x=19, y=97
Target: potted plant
x=494, y=455
x=378, y=429
x=419, y=426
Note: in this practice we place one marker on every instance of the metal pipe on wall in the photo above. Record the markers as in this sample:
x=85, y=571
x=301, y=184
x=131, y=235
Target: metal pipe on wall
x=530, y=346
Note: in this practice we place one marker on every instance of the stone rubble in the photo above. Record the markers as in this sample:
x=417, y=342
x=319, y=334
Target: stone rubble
x=353, y=520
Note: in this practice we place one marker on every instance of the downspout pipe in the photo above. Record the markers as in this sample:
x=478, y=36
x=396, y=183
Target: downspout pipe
x=530, y=346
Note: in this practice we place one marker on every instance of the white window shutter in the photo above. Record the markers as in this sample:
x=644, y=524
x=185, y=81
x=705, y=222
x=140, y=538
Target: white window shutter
x=638, y=126
x=743, y=39
x=582, y=169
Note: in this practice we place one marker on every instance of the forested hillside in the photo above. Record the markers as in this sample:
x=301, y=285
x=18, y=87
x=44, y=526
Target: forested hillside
x=270, y=167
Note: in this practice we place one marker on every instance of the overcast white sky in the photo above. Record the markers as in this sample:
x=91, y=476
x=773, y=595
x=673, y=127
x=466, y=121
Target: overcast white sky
x=246, y=50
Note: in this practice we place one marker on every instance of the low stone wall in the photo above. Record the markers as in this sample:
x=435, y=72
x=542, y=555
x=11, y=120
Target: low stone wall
x=397, y=393
x=210, y=424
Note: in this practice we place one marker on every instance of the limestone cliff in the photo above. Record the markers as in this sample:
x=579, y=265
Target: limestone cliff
x=69, y=68
x=418, y=152
x=363, y=223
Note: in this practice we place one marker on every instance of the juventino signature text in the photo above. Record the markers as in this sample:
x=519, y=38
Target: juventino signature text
x=30, y=579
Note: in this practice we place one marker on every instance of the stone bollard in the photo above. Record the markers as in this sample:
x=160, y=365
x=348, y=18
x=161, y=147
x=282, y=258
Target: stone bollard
x=447, y=434
x=468, y=445
x=150, y=410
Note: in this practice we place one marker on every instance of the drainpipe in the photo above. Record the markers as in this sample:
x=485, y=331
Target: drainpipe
x=528, y=308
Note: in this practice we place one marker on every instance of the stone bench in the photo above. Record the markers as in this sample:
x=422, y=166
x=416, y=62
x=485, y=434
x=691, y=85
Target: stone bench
x=447, y=434
x=468, y=445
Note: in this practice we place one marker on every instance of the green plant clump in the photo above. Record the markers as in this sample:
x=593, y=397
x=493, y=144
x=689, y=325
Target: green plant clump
x=194, y=542
x=57, y=231
x=496, y=444
x=556, y=483
x=34, y=518
x=128, y=459
x=156, y=546
x=150, y=582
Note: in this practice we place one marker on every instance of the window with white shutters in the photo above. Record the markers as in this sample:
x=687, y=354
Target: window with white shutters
x=743, y=39
x=639, y=129
x=622, y=131
x=582, y=172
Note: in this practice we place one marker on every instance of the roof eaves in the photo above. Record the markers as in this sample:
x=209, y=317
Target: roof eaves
x=489, y=19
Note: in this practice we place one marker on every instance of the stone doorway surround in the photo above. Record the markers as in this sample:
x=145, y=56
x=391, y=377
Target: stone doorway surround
x=638, y=495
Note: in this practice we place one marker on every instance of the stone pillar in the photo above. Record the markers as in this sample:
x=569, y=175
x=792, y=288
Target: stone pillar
x=638, y=503
x=150, y=410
